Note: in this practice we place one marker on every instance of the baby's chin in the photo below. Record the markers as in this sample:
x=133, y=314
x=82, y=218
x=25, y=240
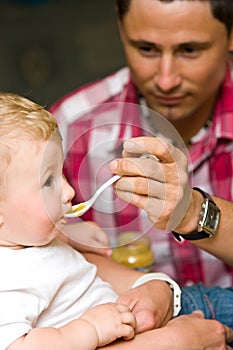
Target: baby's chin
x=60, y=225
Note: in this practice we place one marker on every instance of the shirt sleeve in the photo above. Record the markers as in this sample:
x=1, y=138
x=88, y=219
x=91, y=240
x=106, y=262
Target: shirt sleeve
x=18, y=313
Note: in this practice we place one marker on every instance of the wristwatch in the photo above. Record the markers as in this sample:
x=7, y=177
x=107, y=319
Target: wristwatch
x=208, y=220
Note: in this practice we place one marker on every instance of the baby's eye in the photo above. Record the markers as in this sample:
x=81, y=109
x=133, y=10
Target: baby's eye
x=49, y=182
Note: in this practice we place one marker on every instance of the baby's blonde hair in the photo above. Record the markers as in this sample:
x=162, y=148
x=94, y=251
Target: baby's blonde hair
x=21, y=118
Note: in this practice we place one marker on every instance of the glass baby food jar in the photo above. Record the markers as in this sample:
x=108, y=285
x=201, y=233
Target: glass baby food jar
x=134, y=250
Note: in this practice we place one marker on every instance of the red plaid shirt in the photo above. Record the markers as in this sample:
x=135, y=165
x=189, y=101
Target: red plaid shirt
x=94, y=121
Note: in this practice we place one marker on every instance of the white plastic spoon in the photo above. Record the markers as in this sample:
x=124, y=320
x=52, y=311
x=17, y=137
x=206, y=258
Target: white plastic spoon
x=81, y=208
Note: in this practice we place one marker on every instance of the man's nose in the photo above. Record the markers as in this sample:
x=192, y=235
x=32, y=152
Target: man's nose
x=168, y=77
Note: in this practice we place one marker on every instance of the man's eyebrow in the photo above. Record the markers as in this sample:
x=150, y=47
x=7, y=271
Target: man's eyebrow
x=199, y=44
x=142, y=42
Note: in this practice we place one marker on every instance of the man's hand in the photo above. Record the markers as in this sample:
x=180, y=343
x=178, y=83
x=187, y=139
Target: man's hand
x=151, y=303
x=158, y=184
x=193, y=331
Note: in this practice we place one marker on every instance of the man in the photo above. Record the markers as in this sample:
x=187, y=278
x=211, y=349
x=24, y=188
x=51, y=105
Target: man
x=177, y=54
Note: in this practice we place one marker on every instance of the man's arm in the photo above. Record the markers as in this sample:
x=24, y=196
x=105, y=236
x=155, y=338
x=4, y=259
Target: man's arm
x=221, y=245
x=119, y=276
x=181, y=333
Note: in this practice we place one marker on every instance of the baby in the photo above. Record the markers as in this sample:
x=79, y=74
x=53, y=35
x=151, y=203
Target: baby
x=45, y=285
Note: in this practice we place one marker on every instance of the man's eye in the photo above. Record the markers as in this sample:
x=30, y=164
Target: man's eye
x=145, y=48
x=148, y=50
x=189, y=51
x=49, y=182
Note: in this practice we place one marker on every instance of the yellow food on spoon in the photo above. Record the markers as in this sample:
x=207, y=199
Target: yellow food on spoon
x=80, y=206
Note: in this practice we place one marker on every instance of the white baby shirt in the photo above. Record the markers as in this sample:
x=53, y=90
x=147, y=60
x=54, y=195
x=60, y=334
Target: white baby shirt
x=46, y=286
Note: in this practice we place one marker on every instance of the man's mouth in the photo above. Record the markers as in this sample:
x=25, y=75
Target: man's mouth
x=171, y=100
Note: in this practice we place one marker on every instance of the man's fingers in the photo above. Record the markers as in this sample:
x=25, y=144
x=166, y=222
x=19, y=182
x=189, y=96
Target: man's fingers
x=161, y=148
x=143, y=186
x=229, y=335
x=145, y=167
x=198, y=313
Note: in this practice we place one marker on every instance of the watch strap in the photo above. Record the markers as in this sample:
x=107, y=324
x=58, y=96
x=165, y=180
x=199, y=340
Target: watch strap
x=204, y=194
x=192, y=236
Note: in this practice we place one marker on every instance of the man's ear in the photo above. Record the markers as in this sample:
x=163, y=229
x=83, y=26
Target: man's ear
x=231, y=41
x=121, y=30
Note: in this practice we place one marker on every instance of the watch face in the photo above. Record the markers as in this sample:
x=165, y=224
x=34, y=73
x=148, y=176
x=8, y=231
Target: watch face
x=207, y=224
x=211, y=219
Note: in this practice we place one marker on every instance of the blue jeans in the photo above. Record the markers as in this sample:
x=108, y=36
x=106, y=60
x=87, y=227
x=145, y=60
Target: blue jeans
x=215, y=302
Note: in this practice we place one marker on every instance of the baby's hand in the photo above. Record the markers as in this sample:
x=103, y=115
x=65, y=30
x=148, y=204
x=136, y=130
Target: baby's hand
x=111, y=321
x=87, y=236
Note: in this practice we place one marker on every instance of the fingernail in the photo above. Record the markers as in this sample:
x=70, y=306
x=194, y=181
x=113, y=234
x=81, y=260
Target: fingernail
x=129, y=145
x=113, y=165
x=109, y=252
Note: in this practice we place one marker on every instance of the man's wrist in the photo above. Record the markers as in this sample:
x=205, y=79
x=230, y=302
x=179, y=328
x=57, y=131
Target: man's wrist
x=163, y=277
x=190, y=220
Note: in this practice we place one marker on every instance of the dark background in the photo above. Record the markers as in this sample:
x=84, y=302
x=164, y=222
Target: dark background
x=50, y=47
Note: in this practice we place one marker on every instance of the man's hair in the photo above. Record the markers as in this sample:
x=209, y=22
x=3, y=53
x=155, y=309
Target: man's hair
x=21, y=118
x=222, y=10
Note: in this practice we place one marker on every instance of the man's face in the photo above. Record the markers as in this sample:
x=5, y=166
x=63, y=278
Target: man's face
x=177, y=55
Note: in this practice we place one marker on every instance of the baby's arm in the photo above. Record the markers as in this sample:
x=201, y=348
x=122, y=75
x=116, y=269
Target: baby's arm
x=98, y=326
